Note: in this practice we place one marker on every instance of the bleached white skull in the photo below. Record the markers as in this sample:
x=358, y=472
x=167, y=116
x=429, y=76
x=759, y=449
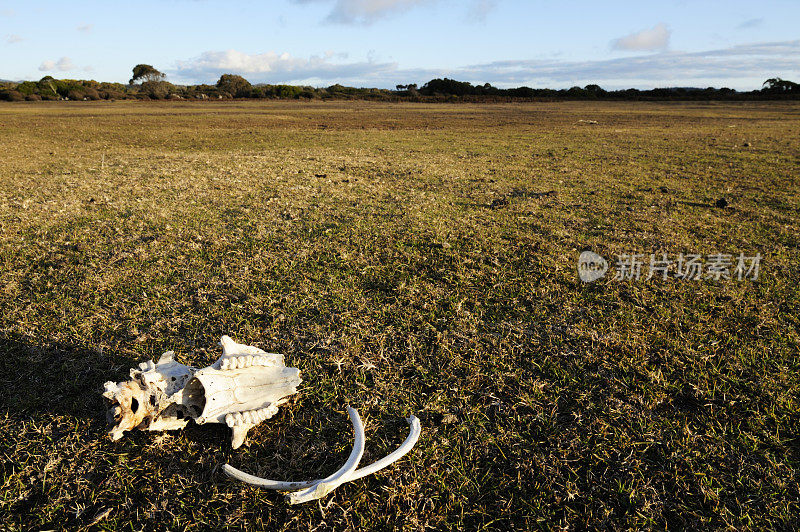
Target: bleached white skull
x=242, y=389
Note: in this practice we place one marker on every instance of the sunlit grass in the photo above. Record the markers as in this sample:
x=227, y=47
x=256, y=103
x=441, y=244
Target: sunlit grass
x=405, y=258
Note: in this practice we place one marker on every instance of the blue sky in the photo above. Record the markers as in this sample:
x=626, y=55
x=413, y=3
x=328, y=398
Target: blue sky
x=381, y=43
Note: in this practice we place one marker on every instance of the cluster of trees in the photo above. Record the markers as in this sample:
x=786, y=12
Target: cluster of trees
x=49, y=88
x=772, y=89
x=780, y=86
x=149, y=83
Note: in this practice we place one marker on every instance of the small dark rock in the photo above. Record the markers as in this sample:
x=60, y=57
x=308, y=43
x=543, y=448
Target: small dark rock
x=746, y=144
x=498, y=203
x=721, y=203
x=664, y=190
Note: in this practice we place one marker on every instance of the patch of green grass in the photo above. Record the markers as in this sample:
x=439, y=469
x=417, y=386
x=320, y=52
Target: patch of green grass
x=405, y=259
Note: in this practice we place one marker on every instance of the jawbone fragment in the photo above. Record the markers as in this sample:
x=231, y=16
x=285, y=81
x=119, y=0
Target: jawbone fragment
x=242, y=388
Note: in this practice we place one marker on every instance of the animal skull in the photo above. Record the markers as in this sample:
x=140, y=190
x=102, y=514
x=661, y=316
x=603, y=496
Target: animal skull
x=242, y=388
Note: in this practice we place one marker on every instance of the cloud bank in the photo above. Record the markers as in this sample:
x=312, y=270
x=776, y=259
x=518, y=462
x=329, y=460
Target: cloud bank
x=737, y=66
x=279, y=68
x=666, y=68
x=752, y=23
x=64, y=65
x=480, y=10
x=366, y=12
x=650, y=40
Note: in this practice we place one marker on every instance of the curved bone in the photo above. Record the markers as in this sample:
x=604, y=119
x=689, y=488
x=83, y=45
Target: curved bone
x=349, y=467
x=407, y=445
x=330, y=483
x=295, y=498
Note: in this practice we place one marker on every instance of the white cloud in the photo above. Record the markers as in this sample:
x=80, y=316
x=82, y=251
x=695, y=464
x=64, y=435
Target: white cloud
x=752, y=23
x=736, y=66
x=13, y=39
x=64, y=65
x=277, y=68
x=85, y=28
x=653, y=39
x=480, y=9
x=742, y=67
x=365, y=11
x=368, y=11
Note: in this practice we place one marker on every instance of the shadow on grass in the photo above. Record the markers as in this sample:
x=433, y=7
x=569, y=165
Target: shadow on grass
x=56, y=378
x=59, y=379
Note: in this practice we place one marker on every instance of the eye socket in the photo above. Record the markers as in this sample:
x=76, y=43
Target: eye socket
x=134, y=405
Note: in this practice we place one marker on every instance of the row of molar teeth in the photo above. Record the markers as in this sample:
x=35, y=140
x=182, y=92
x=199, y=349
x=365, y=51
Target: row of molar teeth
x=245, y=362
x=251, y=417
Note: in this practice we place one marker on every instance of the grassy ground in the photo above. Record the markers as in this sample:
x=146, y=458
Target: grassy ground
x=404, y=258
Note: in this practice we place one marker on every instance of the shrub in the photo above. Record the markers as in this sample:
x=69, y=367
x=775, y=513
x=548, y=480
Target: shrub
x=26, y=88
x=112, y=87
x=12, y=96
x=237, y=86
x=447, y=86
x=287, y=91
x=112, y=95
x=157, y=90
x=33, y=98
x=92, y=94
x=47, y=88
x=75, y=94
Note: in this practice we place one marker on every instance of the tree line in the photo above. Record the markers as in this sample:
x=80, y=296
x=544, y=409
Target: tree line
x=149, y=83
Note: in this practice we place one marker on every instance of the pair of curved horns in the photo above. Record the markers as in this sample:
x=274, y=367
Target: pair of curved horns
x=316, y=489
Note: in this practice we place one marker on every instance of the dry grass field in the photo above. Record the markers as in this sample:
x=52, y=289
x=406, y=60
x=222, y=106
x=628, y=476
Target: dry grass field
x=407, y=258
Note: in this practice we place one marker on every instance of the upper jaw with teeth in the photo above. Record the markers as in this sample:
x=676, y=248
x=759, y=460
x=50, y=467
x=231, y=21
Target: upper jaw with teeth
x=246, y=361
x=244, y=382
